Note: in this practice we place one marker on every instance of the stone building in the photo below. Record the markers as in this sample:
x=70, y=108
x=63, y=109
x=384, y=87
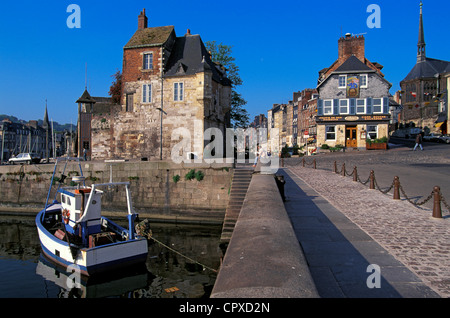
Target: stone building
x=93, y=128
x=424, y=90
x=260, y=121
x=276, y=128
x=168, y=83
x=17, y=137
x=353, y=103
x=307, y=105
x=289, y=111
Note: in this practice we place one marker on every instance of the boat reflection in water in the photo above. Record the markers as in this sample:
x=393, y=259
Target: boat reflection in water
x=165, y=274
x=72, y=285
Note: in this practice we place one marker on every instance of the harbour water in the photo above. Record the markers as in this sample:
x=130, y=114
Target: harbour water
x=180, y=264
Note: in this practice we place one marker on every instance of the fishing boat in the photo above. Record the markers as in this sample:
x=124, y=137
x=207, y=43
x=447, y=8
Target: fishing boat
x=73, y=233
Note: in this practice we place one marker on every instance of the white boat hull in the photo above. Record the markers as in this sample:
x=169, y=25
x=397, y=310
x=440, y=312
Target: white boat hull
x=91, y=260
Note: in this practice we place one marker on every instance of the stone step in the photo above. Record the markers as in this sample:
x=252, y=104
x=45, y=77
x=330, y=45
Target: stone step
x=239, y=186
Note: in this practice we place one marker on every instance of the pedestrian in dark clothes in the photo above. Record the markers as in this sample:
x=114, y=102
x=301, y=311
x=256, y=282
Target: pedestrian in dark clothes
x=418, y=142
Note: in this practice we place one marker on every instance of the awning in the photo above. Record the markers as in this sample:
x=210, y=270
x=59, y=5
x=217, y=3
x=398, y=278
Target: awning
x=438, y=124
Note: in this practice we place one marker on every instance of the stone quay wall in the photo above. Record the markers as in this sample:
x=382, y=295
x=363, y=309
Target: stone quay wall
x=154, y=186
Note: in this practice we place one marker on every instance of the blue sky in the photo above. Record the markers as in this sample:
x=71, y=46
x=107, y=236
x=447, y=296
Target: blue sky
x=279, y=46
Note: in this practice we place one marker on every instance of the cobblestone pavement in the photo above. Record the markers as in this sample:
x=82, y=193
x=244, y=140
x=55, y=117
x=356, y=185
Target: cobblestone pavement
x=419, y=171
x=410, y=234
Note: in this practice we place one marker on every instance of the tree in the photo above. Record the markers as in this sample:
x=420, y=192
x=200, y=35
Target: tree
x=115, y=91
x=221, y=53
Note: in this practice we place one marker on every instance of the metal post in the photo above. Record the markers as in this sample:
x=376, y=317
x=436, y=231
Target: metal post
x=437, y=212
x=314, y=162
x=335, y=167
x=396, y=188
x=343, y=170
x=162, y=106
x=303, y=162
x=372, y=180
x=355, y=174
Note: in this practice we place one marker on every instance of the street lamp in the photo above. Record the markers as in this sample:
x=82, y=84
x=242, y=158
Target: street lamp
x=160, y=141
x=161, y=109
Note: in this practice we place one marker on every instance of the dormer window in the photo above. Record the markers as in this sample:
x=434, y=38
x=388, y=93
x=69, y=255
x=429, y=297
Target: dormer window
x=148, y=61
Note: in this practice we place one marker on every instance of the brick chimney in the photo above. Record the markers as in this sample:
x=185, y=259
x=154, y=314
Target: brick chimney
x=351, y=45
x=142, y=20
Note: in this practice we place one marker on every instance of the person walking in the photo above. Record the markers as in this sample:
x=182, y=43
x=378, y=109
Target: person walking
x=418, y=142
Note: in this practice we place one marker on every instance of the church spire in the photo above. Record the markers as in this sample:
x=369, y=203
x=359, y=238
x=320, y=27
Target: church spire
x=45, y=122
x=421, y=43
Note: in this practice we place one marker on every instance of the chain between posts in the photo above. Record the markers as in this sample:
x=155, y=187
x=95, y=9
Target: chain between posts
x=436, y=193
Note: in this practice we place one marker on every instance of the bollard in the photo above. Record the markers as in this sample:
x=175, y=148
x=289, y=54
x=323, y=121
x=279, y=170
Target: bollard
x=303, y=162
x=355, y=174
x=314, y=162
x=335, y=167
x=282, y=162
x=396, y=188
x=343, y=170
x=437, y=212
x=372, y=180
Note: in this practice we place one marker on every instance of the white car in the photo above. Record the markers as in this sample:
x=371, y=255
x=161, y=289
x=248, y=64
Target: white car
x=432, y=137
x=445, y=138
x=27, y=158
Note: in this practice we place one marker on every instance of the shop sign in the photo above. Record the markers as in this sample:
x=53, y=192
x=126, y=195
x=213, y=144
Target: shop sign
x=352, y=118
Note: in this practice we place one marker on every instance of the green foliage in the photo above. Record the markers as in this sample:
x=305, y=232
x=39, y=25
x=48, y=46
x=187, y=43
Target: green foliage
x=221, y=54
x=285, y=152
x=377, y=141
x=325, y=146
x=194, y=175
x=176, y=178
x=199, y=175
x=190, y=175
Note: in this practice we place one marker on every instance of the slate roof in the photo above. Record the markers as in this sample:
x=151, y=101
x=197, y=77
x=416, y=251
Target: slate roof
x=189, y=56
x=427, y=69
x=353, y=64
x=150, y=37
x=102, y=105
x=85, y=98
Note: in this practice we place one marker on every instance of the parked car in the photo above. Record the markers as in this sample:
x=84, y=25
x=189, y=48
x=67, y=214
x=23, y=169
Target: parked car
x=26, y=157
x=432, y=137
x=445, y=138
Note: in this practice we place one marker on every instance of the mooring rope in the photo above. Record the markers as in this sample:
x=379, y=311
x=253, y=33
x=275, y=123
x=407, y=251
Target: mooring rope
x=143, y=228
x=192, y=260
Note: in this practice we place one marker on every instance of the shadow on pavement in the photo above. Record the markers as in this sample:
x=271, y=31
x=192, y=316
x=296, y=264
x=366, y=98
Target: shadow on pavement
x=339, y=253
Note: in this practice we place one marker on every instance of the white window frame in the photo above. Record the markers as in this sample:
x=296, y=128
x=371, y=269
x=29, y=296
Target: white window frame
x=331, y=132
x=341, y=107
x=345, y=81
x=146, y=93
x=330, y=107
x=178, y=91
x=147, y=61
x=361, y=81
x=365, y=105
x=377, y=105
x=372, y=131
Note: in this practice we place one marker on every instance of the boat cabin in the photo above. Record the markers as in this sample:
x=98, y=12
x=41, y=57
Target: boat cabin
x=75, y=207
